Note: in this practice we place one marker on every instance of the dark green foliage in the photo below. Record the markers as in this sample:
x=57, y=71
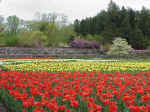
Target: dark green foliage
x=130, y=24
x=9, y=102
x=11, y=40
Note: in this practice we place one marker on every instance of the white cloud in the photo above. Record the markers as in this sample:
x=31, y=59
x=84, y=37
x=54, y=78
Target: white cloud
x=74, y=9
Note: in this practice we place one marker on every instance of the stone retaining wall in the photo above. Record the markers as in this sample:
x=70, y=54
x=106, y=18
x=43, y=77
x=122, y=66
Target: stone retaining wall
x=47, y=52
x=12, y=52
x=140, y=52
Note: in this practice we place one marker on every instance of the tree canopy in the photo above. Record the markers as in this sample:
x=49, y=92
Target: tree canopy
x=114, y=22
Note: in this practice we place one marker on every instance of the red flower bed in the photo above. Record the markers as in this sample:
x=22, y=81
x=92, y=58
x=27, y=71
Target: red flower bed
x=78, y=92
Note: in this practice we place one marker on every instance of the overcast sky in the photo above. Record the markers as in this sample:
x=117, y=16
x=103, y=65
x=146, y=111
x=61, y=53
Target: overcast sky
x=74, y=9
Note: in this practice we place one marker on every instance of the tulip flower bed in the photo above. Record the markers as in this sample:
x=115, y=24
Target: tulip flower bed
x=130, y=67
x=75, y=92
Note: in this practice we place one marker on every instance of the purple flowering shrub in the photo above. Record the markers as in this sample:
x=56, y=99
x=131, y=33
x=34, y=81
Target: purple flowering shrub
x=78, y=43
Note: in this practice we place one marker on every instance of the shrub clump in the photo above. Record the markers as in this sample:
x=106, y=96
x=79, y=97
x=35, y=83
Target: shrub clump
x=120, y=47
x=79, y=43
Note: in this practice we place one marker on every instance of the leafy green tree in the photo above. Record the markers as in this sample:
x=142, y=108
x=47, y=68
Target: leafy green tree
x=2, y=33
x=56, y=30
x=66, y=33
x=11, y=40
x=77, y=26
x=39, y=25
x=25, y=38
x=144, y=21
x=13, y=23
x=119, y=47
x=38, y=39
x=32, y=38
x=1, y=26
x=111, y=28
x=125, y=27
x=112, y=7
x=52, y=32
x=101, y=21
x=137, y=39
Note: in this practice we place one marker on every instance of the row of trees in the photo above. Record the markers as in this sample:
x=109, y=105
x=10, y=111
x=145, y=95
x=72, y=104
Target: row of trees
x=114, y=22
x=46, y=30
x=51, y=29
